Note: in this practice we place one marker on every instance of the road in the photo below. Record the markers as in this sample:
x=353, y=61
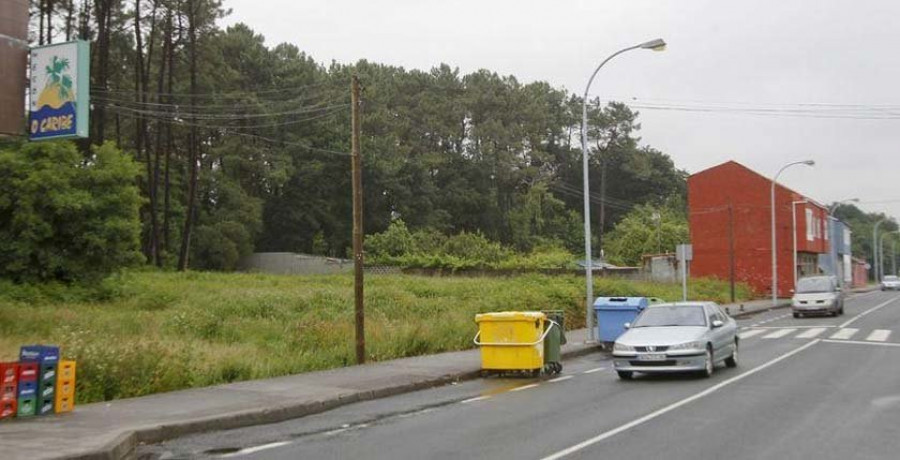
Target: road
x=824, y=388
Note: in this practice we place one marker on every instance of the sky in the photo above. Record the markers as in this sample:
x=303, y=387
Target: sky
x=762, y=82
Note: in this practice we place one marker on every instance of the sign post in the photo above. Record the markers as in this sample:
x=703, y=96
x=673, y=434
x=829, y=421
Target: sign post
x=60, y=91
x=685, y=253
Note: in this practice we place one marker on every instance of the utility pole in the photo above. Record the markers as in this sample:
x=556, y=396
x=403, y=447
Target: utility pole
x=731, y=249
x=357, y=225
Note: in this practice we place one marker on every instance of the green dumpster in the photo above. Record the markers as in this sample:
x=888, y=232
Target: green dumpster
x=556, y=337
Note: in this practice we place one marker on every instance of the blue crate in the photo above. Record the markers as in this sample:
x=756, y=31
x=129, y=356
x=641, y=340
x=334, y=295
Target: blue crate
x=39, y=353
x=28, y=389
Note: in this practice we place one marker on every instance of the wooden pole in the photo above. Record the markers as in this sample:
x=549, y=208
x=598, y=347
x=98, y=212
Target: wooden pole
x=14, y=59
x=357, y=226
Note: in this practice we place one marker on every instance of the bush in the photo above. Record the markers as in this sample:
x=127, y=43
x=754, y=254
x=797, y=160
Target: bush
x=64, y=217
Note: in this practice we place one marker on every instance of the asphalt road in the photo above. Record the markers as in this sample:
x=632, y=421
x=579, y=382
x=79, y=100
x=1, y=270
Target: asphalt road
x=825, y=388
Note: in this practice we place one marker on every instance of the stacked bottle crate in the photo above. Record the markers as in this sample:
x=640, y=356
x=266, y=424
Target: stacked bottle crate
x=9, y=379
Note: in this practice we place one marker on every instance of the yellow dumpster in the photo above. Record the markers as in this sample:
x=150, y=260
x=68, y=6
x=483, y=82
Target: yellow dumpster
x=511, y=340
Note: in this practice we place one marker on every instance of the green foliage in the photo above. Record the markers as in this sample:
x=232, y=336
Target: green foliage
x=64, y=217
x=639, y=233
x=159, y=331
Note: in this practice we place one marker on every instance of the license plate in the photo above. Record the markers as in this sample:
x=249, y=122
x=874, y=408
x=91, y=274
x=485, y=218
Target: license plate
x=652, y=357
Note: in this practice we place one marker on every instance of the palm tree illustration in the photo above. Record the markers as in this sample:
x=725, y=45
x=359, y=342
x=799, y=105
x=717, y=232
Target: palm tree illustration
x=62, y=81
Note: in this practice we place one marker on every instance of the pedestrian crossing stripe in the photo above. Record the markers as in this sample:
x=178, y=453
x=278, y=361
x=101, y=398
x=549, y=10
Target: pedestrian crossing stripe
x=813, y=332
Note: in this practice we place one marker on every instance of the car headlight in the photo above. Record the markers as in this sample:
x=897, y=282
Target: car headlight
x=622, y=347
x=687, y=346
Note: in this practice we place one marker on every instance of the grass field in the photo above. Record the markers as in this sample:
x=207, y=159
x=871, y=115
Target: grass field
x=148, y=332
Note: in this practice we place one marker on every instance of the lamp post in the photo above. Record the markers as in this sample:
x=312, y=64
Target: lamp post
x=833, y=238
x=655, y=45
x=794, y=232
x=875, y=249
x=774, y=243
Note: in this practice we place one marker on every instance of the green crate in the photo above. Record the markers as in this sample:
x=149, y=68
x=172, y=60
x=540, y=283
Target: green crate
x=27, y=407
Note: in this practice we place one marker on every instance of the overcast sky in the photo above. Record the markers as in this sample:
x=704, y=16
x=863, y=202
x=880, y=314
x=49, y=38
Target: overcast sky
x=760, y=56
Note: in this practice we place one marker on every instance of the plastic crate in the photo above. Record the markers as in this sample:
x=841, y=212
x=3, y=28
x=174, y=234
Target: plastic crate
x=47, y=390
x=9, y=391
x=8, y=409
x=26, y=407
x=28, y=371
x=66, y=369
x=27, y=389
x=47, y=406
x=9, y=372
x=64, y=403
x=47, y=373
x=39, y=353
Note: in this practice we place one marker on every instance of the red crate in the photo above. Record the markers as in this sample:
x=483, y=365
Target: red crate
x=9, y=372
x=28, y=371
x=8, y=391
x=7, y=409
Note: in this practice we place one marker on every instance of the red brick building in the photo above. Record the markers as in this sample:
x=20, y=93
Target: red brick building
x=730, y=222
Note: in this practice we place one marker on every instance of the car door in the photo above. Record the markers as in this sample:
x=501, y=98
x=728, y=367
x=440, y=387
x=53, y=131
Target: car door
x=717, y=334
x=729, y=330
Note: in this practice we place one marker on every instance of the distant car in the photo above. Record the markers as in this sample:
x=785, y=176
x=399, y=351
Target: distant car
x=890, y=282
x=677, y=337
x=817, y=295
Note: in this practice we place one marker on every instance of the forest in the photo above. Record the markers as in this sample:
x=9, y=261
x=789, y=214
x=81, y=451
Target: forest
x=243, y=146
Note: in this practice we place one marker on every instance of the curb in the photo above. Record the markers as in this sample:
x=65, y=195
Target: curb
x=125, y=446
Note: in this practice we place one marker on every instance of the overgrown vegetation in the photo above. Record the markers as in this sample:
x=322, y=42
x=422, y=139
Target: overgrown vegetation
x=147, y=332
x=67, y=217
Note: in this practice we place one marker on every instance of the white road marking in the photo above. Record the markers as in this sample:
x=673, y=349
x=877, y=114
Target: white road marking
x=560, y=379
x=471, y=400
x=591, y=371
x=876, y=307
x=750, y=333
x=857, y=342
x=779, y=333
x=251, y=450
x=526, y=387
x=844, y=333
x=811, y=333
x=793, y=326
x=879, y=335
x=608, y=434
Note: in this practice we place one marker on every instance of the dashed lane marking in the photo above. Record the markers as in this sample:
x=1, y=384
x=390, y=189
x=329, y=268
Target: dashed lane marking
x=751, y=333
x=591, y=371
x=476, y=399
x=560, y=379
x=526, y=387
x=844, y=333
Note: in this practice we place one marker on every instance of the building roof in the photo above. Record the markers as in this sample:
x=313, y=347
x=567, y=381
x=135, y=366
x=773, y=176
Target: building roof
x=745, y=168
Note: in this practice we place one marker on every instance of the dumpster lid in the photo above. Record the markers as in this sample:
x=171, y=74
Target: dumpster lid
x=510, y=316
x=615, y=303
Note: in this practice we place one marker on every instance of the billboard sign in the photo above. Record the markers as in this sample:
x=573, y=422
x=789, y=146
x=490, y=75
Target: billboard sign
x=60, y=91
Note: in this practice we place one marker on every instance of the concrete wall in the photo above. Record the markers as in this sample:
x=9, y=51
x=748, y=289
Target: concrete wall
x=289, y=263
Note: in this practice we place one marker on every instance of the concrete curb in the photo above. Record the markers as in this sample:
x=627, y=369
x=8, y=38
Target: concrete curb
x=125, y=446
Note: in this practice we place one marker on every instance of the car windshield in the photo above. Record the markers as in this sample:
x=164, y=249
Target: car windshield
x=808, y=285
x=891, y=278
x=675, y=315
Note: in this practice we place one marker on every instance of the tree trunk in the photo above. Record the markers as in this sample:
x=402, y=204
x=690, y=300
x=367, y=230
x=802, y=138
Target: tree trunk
x=192, y=147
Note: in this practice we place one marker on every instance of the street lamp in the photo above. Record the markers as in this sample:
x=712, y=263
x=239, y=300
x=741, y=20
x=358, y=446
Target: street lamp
x=655, y=45
x=774, y=243
x=794, y=231
x=838, y=203
x=875, y=248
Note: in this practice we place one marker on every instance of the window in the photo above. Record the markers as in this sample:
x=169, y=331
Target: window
x=810, y=228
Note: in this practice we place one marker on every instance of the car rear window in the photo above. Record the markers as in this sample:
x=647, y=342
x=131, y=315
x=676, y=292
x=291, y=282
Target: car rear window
x=808, y=285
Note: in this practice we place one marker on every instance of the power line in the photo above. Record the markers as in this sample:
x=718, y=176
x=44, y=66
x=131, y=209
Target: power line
x=226, y=116
x=177, y=119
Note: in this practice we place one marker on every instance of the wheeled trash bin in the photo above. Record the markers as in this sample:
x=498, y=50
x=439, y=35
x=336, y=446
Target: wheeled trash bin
x=613, y=313
x=512, y=341
x=556, y=337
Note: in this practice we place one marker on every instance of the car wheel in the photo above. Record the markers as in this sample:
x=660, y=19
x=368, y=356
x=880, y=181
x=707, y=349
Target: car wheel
x=625, y=375
x=796, y=315
x=732, y=361
x=709, y=365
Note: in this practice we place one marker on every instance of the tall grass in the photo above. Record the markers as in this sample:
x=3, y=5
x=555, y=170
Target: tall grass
x=148, y=332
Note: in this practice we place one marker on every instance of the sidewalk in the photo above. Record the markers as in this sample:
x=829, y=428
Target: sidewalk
x=113, y=429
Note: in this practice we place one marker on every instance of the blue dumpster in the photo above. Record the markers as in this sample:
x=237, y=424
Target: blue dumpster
x=614, y=312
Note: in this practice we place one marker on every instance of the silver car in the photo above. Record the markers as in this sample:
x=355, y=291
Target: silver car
x=890, y=282
x=677, y=337
x=817, y=295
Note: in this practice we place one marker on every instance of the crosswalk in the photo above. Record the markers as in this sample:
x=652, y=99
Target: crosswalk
x=831, y=333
